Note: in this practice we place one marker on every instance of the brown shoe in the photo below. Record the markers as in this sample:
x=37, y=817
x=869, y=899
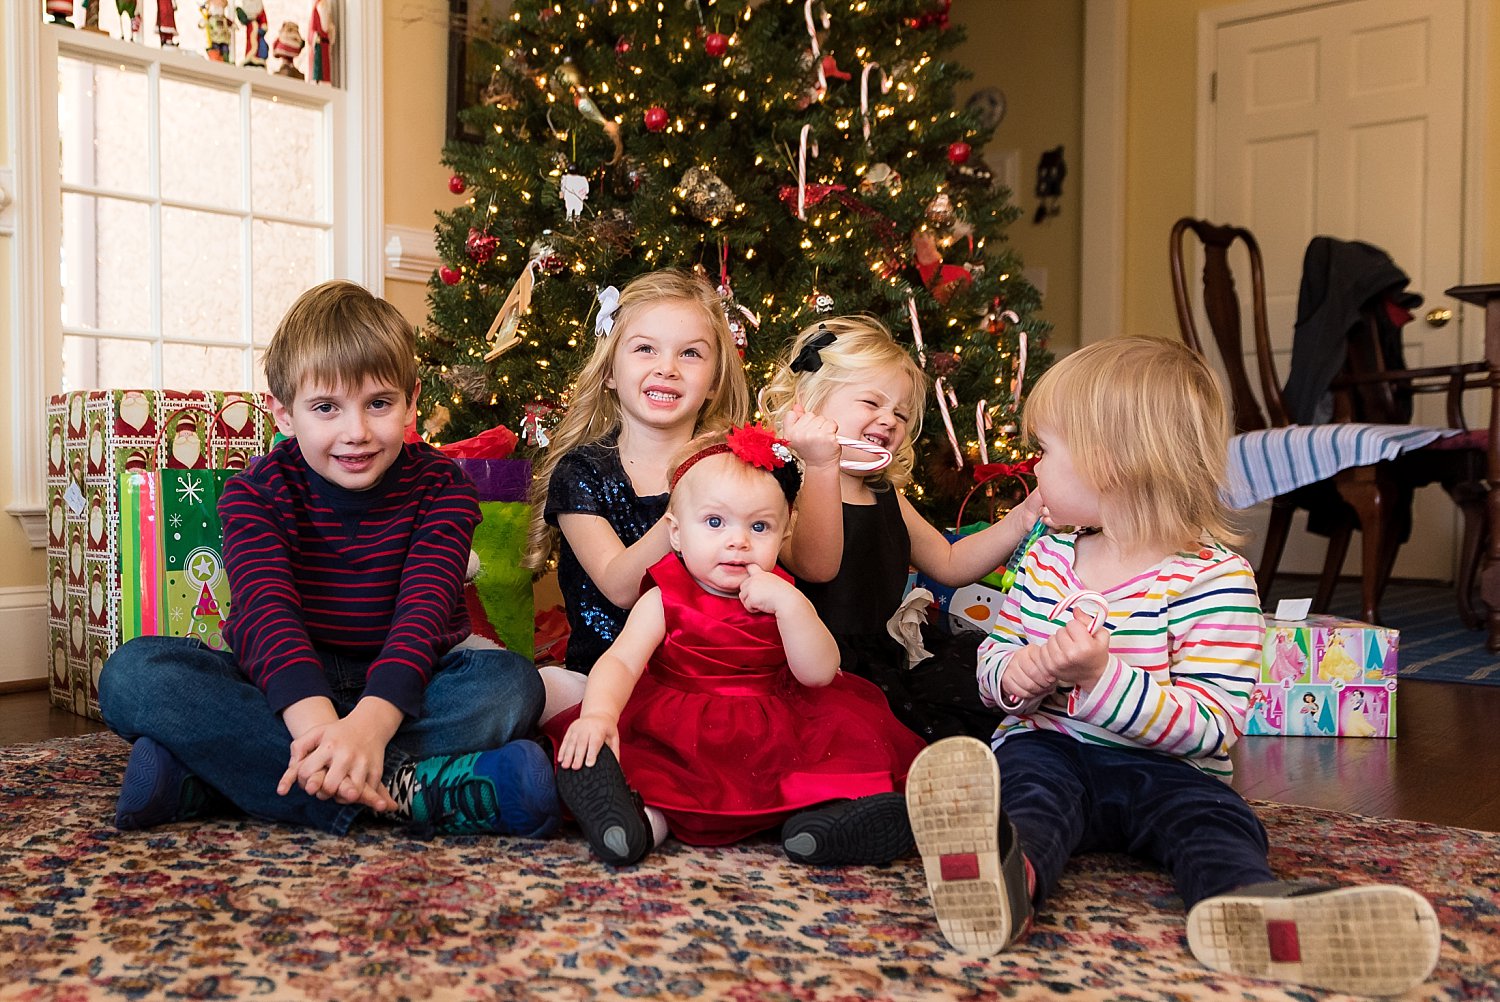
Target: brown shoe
x=1372, y=940
x=976, y=874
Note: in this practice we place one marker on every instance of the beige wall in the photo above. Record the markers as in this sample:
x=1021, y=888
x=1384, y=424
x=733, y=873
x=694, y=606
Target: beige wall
x=1033, y=51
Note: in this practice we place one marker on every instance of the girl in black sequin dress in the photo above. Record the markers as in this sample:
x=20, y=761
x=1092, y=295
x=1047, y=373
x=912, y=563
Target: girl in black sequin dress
x=847, y=377
x=664, y=368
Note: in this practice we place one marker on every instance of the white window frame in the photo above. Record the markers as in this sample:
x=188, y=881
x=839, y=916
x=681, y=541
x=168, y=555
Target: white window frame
x=31, y=49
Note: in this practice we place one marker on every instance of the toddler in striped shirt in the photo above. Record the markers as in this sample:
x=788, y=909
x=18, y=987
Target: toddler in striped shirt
x=1124, y=657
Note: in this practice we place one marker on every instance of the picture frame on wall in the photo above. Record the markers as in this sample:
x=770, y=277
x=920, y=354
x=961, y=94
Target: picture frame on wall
x=470, y=23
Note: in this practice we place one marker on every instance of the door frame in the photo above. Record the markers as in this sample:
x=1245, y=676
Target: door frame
x=1475, y=212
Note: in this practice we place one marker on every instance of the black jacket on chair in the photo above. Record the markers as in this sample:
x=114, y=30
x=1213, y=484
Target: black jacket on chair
x=1338, y=278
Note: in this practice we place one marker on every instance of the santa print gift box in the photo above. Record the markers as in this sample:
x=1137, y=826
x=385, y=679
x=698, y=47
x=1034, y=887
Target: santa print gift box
x=1326, y=677
x=174, y=442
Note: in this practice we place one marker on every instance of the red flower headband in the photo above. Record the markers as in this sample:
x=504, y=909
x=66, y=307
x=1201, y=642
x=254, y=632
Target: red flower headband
x=754, y=445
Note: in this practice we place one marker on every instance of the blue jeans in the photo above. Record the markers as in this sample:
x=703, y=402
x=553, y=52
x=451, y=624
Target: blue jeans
x=197, y=703
x=1066, y=797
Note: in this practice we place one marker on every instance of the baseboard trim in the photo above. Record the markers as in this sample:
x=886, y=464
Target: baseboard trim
x=25, y=685
x=23, y=622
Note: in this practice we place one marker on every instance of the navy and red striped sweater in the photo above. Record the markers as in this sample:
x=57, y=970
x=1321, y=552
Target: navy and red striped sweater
x=375, y=575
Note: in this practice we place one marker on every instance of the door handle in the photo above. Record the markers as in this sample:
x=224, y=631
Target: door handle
x=1438, y=317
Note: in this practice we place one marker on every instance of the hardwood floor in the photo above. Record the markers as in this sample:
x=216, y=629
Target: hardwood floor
x=1441, y=768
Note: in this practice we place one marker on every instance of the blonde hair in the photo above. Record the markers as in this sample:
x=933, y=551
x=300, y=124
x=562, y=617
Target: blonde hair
x=1146, y=424
x=862, y=344
x=594, y=410
x=338, y=334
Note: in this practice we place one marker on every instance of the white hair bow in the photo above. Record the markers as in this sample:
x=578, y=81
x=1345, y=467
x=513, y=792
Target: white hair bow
x=609, y=302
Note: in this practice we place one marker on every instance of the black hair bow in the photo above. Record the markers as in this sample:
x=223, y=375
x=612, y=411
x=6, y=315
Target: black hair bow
x=810, y=358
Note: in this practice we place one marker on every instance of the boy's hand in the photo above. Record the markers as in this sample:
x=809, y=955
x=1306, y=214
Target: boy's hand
x=343, y=760
x=812, y=437
x=1076, y=656
x=1025, y=676
x=580, y=746
x=762, y=591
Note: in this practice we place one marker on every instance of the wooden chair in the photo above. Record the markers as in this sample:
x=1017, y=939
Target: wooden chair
x=1375, y=498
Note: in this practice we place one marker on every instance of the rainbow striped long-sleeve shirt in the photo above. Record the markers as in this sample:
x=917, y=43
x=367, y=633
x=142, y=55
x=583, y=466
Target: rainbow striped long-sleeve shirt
x=1184, y=654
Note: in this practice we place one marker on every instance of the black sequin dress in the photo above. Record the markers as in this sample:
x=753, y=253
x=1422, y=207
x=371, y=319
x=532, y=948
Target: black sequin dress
x=937, y=698
x=590, y=480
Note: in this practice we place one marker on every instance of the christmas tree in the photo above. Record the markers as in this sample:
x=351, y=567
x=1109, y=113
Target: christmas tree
x=806, y=157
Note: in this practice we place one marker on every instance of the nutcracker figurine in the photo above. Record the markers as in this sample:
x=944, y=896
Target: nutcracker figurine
x=91, y=16
x=253, y=16
x=286, y=48
x=60, y=11
x=320, y=35
x=166, y=23
x=217, y=28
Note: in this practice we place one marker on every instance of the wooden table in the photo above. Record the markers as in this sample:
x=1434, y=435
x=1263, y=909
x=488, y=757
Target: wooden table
x=1488, y=296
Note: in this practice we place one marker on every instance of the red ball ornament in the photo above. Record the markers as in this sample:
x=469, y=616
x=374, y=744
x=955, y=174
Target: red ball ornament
x=656, y=118
x=480, y=246
x=716, y=44
x=457, y=184
x=958, y=153
x=450, y=276
x=622, y=46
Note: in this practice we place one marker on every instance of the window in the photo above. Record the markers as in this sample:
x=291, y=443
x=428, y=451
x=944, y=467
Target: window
x=189, y=203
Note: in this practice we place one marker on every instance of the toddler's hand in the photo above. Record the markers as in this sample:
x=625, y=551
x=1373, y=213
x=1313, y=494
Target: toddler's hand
x=813, y=437
x=580, y=746
x=762, y=591
x=1025, y=676
x=1076, y=656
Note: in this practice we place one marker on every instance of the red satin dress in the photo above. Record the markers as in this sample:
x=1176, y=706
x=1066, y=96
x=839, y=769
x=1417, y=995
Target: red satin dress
x=722, y=738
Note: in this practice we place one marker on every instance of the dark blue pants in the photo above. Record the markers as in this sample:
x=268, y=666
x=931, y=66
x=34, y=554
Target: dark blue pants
x=196, y=702
x=1066, y=798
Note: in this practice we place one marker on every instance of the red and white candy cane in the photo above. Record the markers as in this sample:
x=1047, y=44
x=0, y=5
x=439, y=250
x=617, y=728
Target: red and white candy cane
x=1092, y=598
x=812, y=32
x=983, y=426
x=802, y=148
x=864, y=93
x=916, y=328
x=880, y=456
x=946, y=398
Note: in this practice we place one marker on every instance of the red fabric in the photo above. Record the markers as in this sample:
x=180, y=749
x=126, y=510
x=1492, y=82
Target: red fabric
x=1474, y=438
x=721, y=736
x=496, y=443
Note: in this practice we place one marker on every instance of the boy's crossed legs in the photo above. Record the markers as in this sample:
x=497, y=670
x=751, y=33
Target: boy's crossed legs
x=1063, y=797
x=194, y=716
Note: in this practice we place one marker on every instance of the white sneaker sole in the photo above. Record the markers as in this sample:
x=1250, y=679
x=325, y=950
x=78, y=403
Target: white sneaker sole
x=953, y=800
x=1372, y=940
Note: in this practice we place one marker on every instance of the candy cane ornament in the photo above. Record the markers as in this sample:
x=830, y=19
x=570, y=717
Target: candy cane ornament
x=864, y=93
x=982, y=426
x=802, y=148
x=812, y=32
x=945, y=395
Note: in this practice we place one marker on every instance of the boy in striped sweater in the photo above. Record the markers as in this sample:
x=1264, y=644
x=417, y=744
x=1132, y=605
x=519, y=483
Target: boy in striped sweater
x=351, y=686
x=1124, y=656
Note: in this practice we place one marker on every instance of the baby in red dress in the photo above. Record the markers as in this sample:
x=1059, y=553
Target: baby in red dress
x=720, y=710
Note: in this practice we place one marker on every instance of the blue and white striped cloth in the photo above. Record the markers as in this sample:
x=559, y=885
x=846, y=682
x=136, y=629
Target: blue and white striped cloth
x=1265, y=464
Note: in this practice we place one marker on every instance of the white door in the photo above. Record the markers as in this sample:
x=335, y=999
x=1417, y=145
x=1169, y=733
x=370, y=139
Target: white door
x=1345, y=119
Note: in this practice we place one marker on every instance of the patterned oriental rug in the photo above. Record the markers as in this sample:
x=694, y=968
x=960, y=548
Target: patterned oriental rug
x=233, y=909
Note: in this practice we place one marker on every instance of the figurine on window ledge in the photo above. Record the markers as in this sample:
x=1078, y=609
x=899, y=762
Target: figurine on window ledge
x=217, y=28
x=166, y=23
x=320, y=35
x=60, y=11
x=130, y=18
x=253, y=16
x=287, y=47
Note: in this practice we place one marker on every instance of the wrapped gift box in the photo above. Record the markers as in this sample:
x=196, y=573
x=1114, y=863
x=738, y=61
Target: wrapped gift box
x=1326, y=677
x=94, y=436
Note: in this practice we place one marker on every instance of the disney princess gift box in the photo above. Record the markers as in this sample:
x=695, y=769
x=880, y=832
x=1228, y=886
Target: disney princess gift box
x=1322, y=676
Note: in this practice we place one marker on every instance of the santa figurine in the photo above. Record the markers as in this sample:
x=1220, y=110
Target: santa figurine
x=287, y=47
x=60, y=11
x=253, y=16
x=320, y=35
x=166, y=23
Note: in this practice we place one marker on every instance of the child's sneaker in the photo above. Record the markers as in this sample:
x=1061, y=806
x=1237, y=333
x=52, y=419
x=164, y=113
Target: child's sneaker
x=869, y=831
x=158, y=789
x=1371, y=940
x=976, y=874
x=608, y=810
x=508, y=791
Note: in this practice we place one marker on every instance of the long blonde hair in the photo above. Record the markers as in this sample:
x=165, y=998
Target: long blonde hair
x=861, y=344
x=594, y=410
x=1145, y=422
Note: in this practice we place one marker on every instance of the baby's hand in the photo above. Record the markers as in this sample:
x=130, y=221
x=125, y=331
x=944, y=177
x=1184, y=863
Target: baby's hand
x=813, y=437
x=580, y=746
x=1025, y=676
x=1076, y=656
x=762, y=591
